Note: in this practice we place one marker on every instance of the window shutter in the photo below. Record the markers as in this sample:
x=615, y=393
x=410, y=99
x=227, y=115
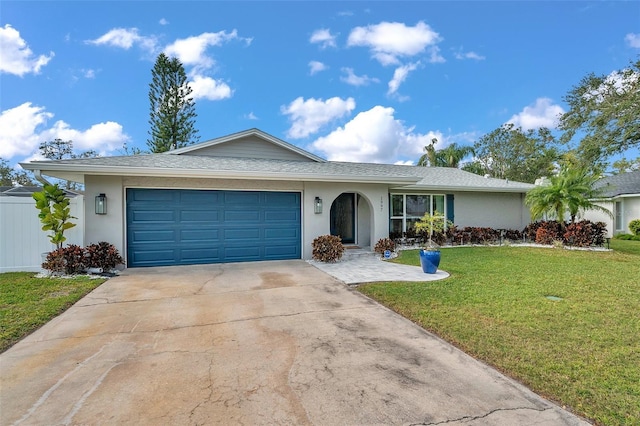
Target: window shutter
x=450, y=215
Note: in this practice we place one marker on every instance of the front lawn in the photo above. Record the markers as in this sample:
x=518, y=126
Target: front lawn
x=27, y=303
x=582, y=351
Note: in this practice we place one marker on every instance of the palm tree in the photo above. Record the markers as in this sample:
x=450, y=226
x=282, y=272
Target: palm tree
x=429, y=157
x=450, y=156
x=572, y=190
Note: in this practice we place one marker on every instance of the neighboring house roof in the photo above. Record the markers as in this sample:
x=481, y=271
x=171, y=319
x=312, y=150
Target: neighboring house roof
x=621, y=184
x=187, y=162
x=26, y=191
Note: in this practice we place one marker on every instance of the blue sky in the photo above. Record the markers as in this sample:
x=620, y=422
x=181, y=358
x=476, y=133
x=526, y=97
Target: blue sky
x=349, y=81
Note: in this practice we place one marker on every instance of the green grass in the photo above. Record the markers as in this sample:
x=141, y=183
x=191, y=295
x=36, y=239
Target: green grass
x=582, y=351
x=27, y=303
x=631, y=247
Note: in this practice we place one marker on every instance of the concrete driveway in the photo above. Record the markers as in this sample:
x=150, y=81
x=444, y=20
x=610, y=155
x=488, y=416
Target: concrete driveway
x=250, y=343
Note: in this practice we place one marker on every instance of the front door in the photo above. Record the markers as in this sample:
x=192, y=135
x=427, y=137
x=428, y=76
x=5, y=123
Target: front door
x=343, y=218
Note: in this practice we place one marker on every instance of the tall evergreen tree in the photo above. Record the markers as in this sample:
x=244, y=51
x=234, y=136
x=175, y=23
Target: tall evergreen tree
x=172, y=111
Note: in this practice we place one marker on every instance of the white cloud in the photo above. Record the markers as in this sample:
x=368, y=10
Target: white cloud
x=163, y=22
x=88, y=73
x=316, y=67
x=375, y=136
x=251, y=116
x=544, y=113
x=309, y=116
x=126, y=38
x=324, y=38
x=209, y=88
x=191, y=51
x=389, y=41
x=19, y=124
x=16, y=57
x=460, y=54
x=102, y=137
x=399, y=76
x=633, y=40
x=356, y=80
x=617, y=82
x=23, y=132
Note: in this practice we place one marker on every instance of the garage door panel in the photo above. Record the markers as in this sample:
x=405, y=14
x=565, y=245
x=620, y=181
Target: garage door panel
x=156, y=195
x=200, y=216
x=282, y=233
x=209, y=255
x=153, y=236
x=155, y=257
x=278, y=252
x=199, y=197
x=239, y=197
x=236, y=235
x=207, y=226
x=242, y=253
x=285, y=199
x=153, y=216
x=281, y=216
x=200, y=235
x=237, y=215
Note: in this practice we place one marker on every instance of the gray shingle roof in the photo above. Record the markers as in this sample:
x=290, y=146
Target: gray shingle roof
x=409, y=177
x=622, y=184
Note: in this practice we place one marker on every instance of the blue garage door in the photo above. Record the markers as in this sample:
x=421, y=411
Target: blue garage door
x=184, y=227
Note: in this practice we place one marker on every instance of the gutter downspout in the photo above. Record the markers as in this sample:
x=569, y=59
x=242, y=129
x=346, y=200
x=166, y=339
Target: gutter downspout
x=38, y=175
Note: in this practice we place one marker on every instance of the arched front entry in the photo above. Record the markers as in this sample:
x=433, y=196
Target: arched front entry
x=351, y=218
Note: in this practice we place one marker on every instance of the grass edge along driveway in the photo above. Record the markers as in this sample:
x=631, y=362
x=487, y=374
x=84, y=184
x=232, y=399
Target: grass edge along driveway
x=28, y=302
x=582, y=351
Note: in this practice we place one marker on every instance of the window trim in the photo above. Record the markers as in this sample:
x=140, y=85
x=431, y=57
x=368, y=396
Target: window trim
x=618, y=224
x=404, y=216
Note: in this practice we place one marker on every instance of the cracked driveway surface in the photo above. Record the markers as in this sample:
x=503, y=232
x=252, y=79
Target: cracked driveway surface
x=249, y=343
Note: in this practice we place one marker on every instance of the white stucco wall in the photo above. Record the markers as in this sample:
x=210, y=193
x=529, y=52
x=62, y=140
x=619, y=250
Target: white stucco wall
x=377, y=196
x=109, y=227
x=598, y=216
x=630, y=211
x=495, y=210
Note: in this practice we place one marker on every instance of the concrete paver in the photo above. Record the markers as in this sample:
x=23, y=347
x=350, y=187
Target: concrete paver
x=366, y=267
x=251, y=343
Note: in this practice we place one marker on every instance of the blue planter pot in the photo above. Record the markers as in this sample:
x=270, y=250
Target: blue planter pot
x=429, y=260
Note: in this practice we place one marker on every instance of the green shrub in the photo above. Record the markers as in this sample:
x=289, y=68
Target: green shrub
x=546, y=236
x=383, y=245
x=634, y=226
x=68, y=260
x=327, y=248
x=585, y=233
x=627, y=237
x=55, y=213
x=103, y=255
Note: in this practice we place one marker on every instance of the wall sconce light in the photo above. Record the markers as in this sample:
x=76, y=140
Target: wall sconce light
x=101, y=204
x=317, y=205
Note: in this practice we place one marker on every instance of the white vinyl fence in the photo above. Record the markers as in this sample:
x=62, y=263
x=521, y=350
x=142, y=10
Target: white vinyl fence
x=22, y=240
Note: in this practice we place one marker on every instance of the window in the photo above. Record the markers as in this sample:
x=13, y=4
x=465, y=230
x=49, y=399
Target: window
x=407, y=209
x=618, y=216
